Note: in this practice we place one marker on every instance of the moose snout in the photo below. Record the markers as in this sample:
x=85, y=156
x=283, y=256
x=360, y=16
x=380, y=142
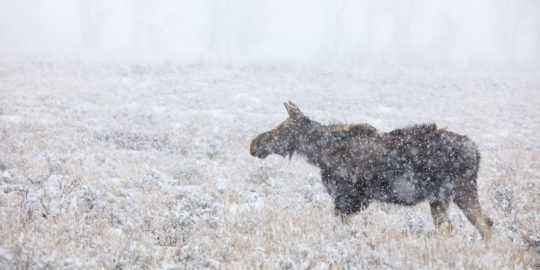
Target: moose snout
x=258, y=153
x=252, y=149
x=256, y=150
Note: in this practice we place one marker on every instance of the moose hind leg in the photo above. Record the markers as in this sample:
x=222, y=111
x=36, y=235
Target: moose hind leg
x=439, y=213
x=468, y=203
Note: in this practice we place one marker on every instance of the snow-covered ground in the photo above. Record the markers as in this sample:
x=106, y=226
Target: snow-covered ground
x=130, y=166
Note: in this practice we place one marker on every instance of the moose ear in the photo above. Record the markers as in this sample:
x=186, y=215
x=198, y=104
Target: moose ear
x=293, y=110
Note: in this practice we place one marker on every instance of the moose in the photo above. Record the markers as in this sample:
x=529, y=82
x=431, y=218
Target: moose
x=405, y=166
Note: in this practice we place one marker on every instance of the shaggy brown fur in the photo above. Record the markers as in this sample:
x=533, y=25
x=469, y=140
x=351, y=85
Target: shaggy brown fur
x=405, y=166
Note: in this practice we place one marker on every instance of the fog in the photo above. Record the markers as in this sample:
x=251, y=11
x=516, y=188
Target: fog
x=498, y=33
x=126, y=130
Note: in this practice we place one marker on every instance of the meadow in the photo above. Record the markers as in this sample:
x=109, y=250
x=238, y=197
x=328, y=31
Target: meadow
x=147, y=166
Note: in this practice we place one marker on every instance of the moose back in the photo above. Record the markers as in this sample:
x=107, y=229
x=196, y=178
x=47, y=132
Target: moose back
x=405, y=166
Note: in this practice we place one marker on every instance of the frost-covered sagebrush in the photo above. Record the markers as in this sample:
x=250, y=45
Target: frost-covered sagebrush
x=405, y=166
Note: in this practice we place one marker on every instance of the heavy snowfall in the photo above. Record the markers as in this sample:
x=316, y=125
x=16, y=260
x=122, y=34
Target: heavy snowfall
x=139, y=156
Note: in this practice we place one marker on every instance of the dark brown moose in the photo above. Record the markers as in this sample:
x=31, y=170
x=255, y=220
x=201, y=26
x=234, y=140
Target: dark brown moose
x=404, y=166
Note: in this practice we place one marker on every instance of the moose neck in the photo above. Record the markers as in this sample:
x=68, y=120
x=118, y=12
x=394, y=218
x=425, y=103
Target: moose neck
x=315, y=145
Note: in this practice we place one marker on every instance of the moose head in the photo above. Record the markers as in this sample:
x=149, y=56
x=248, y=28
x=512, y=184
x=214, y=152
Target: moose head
x=287, y=137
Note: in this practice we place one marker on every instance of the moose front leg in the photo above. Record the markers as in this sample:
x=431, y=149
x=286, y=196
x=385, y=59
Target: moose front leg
x=345, y=218
x=348, y=204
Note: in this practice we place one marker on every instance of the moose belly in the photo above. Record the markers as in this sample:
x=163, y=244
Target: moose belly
x=405, y=188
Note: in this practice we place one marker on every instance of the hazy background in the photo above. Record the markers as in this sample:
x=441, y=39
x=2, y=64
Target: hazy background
x=495, y=33
x=125, y=129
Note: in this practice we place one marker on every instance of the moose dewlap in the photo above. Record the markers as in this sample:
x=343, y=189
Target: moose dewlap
x=405, y=166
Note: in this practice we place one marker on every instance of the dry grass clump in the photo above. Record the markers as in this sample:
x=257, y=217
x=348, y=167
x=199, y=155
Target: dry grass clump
x=147, y=166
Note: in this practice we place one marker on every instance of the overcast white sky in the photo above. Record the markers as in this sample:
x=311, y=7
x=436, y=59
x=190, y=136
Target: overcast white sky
x=458, y=33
